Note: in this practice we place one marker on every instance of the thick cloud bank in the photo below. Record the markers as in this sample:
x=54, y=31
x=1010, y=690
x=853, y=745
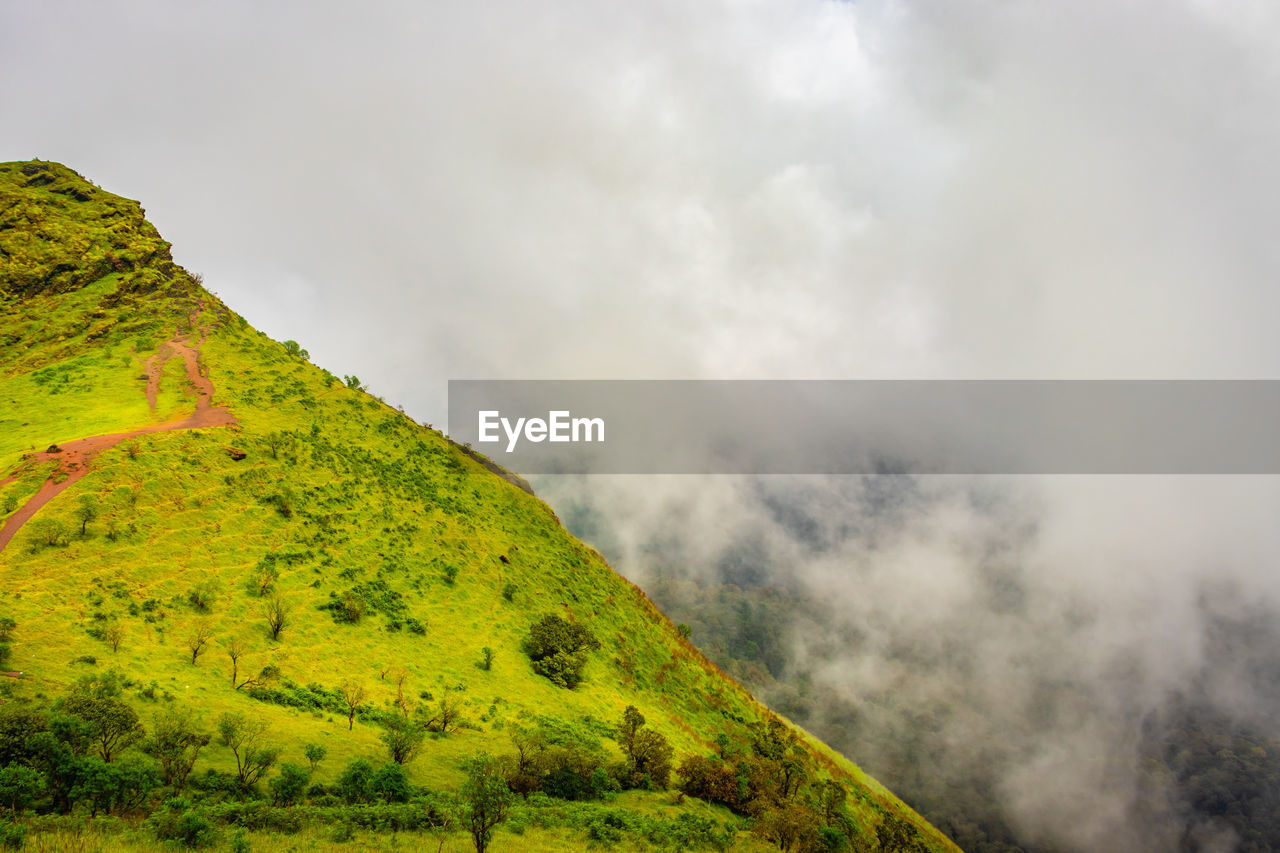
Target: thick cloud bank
x=760, y=189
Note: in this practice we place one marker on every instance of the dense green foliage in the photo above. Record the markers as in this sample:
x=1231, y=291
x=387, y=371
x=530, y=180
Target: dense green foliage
x=559, y=648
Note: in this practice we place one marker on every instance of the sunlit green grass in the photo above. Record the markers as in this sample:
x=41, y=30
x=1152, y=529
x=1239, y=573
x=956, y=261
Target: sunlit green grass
x=356, y=493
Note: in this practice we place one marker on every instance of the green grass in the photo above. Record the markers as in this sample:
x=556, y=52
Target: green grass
x=375, y=502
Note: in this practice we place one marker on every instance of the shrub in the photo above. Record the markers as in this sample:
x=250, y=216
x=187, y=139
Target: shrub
x=390, y=784
x=177, y=821
x=558, y=649
x=315, y=753
x=509, y=591
x=290, y=786
x=12, y=835
x=48, y=533
x=355, y=781
x=200, y=598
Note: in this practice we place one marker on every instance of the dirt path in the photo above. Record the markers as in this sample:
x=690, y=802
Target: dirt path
x=74, y=456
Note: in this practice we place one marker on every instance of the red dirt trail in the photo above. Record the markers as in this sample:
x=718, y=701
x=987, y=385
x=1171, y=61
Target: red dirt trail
x=76, y=455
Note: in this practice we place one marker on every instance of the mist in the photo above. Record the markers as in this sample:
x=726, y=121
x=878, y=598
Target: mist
x=763, y=189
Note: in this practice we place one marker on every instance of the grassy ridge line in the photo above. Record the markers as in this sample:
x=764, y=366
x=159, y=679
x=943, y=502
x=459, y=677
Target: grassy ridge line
x=373, y=500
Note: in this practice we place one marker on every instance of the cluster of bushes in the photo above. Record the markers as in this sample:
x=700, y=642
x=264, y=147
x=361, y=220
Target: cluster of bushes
x=567, y=763
x=772, y=779
x=606, y=825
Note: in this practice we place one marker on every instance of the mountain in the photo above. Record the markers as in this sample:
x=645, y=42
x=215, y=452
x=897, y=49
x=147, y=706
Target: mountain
x=241, y=598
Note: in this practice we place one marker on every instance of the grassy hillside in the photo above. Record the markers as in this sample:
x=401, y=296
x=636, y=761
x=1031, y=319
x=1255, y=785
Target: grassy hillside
x=404, y=568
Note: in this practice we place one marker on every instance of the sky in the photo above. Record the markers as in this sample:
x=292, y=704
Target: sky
x=419, y=192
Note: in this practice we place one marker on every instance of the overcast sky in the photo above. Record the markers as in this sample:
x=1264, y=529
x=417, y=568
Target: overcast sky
x=749, y=189
x=418, y=192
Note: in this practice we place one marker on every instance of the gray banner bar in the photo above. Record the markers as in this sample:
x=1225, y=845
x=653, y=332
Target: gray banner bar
x=867, y=427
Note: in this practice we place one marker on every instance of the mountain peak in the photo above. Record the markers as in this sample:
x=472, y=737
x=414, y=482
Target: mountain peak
x=198, y=521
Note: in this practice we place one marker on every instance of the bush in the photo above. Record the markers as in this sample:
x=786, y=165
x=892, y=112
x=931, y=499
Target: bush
x=355, y=781
x=201, y=597
x=606, y=829
x=290, y=786
x=177, y=821
x=48, y=533
x=509, y=591
x=558, y=649
x=12, y=835
x=390, y=784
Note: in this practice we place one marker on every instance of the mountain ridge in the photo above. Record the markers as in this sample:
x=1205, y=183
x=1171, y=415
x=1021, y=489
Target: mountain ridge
x=399, y=552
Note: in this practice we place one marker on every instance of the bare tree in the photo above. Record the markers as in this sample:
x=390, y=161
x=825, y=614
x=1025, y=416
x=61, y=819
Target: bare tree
x=276, y=612
x=445, y=718
x=247, y=740
x=198, y=639
x=353, y=695
x=235, y=651
x=402, y=675
x=175, y=742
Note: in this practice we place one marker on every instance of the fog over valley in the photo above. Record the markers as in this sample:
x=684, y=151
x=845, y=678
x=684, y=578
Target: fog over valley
x=756, y=189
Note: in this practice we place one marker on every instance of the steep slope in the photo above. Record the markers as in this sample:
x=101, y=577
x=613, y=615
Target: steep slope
x=170, y=478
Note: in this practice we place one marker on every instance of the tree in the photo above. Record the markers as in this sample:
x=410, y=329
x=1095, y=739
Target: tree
x=486, y=658
x=486, y=798
x=120, y=787
x=19, y=786
x=235, y=651
x=315, y=753
x=7, y=627
x=56, y=754
x=246, y=739
x=86, y=511
x=446, y=717
x=114, y=635
x=112, y=725
x=648, y=752
x=403, y=738
x=175, y=743
x=651, y=757
x=16, y=725
x=198, y=639
x=354, y=383
x=292, y=348
x=353, y=696
x=263, y=578
x=276, y=612
x=558, y=649
x=632, y=722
